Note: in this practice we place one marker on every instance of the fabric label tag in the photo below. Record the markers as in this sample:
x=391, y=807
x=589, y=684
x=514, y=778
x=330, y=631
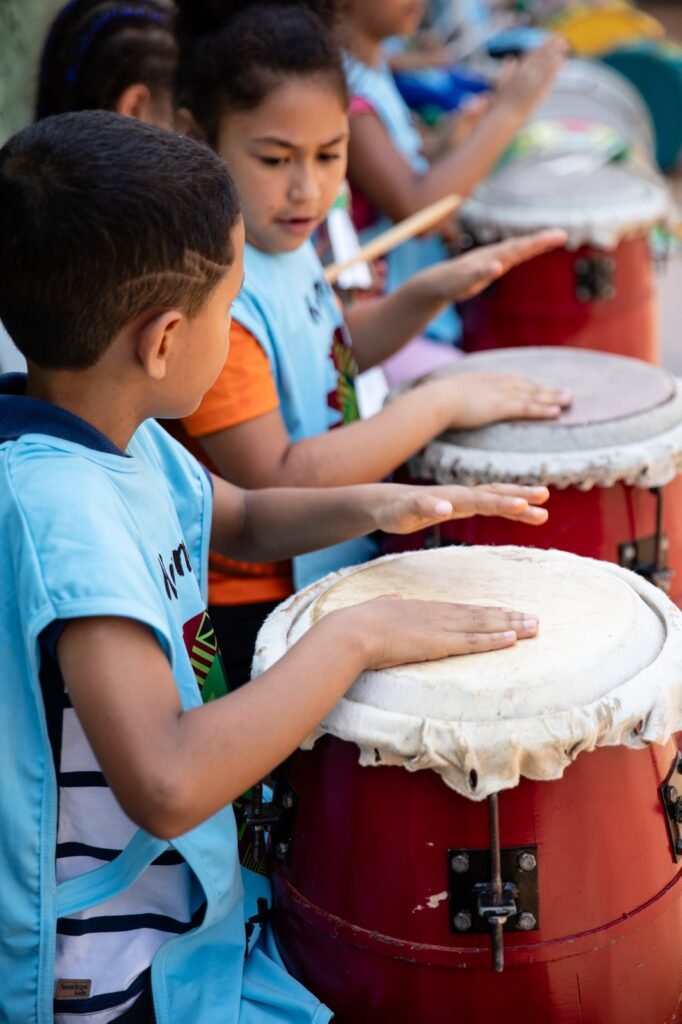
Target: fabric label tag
x=73, y=988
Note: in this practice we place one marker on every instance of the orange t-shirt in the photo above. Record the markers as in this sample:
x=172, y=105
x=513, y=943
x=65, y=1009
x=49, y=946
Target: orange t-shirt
x=244, y=390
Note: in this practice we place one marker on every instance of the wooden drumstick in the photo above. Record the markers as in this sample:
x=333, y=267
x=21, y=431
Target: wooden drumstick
x=399, y=233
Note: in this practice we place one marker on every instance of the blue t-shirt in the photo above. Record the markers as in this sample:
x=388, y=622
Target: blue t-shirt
x=376, y=86
x=289, y=308
x=89, y=901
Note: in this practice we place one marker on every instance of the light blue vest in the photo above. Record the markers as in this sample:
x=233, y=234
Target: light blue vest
x=87, y=532
x=376, y=85
x=292, y=312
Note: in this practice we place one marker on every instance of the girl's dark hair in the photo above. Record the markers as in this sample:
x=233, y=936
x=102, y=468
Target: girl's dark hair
x=233, y=53
x=95, y=49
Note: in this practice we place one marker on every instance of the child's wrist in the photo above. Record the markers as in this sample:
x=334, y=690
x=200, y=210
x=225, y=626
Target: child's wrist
x=430, y=286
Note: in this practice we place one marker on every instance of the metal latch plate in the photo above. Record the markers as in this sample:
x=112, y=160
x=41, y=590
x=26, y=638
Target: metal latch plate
x=469, y=870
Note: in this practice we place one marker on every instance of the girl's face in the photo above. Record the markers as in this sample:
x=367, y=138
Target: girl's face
x=288, y=160
x=380, y=19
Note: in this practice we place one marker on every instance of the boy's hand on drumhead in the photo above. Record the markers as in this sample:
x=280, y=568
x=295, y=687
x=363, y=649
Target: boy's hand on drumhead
x=414, y=508
x=478, y=399
x=401, y=632
x=466, y=276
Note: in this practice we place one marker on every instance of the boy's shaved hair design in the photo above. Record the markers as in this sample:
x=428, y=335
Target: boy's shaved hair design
x=104, y=219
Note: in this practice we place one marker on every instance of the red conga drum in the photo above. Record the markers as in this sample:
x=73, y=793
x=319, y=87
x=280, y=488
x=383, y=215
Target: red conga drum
x=611, y=461
x=507, y=845
x=599, y=292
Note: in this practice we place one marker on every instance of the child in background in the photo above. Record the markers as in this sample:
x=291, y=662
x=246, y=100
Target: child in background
x=387, y=168
x=104, y=528
x=115, y=55
x=266, y=88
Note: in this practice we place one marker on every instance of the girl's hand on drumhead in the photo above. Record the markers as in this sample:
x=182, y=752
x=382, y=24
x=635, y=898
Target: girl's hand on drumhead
x=415, y=508
x=404, y=631
x=466, y=276
x=478, y=399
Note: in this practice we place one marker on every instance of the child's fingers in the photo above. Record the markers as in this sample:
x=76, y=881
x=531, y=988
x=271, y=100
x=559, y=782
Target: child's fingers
x=479, y=643
x=427, y=509
x=533, y=495
x=490, y=502
x=514, y=251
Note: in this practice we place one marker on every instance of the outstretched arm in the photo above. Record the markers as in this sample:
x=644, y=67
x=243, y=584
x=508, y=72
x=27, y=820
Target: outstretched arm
x=380, y=327
x=274, y=524
x=385, y=177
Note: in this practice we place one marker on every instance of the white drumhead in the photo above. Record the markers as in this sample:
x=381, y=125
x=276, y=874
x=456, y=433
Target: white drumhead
x=594, y=92
x=605, y=668
x=596, y=201
x=625, y=424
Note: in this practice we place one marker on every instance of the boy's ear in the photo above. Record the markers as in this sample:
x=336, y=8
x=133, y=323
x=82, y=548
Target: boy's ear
x=156, y=341
x=136, y=101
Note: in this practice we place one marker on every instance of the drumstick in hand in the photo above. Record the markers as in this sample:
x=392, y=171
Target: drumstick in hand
x=409, y=228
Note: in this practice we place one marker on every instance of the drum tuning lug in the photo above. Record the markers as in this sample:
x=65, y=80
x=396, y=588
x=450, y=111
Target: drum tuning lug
x=595, y=279
x=672, y=807
x=470, y=888
x=274, y=817
x=671, y=795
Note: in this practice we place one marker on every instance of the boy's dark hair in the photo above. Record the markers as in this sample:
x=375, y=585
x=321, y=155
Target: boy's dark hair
x=102, y=219
x=233, y=53
x=95, y=49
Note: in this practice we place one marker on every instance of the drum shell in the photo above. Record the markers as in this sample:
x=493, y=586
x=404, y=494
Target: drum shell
x=370, y=847
x=592, y=523
x=538, y=304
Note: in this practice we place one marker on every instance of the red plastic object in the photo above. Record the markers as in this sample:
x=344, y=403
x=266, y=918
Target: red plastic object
x=537, y=304
x=362, y=912
x=591, y=523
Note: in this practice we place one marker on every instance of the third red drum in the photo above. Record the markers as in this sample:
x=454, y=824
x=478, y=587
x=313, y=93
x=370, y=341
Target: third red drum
x=599, y=291
x=611, y=461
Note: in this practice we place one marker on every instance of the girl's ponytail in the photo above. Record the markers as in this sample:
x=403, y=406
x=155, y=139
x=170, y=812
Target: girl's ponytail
x=95, y=49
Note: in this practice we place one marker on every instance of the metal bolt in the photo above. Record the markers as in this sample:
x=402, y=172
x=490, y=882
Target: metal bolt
x=629, y=553
x=526, y=921
x=462, y=921
x=671, y=795
x=281, y=851
x=288, y=801
x=527, y=861
x=460, y=863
